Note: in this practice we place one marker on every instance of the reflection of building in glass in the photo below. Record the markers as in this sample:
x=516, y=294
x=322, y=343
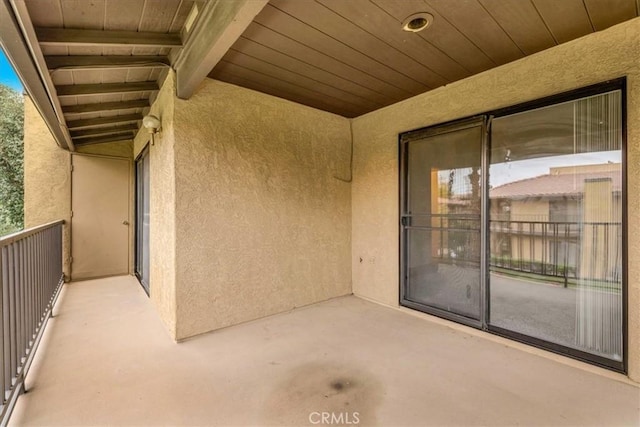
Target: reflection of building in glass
x=566, y=223
x=457, y=215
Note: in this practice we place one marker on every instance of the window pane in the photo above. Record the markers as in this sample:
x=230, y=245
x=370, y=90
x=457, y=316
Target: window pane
x=556, y=224
x=143, y=220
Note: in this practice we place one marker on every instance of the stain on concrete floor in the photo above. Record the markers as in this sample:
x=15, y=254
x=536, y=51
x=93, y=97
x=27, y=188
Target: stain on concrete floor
x=324, y=394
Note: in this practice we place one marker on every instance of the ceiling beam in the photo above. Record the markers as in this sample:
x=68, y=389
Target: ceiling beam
x=70, y=36
x=55, y=62
x=102, y=88
x=99, y=121
x=19, y=54
x=123, y=137
x=220, y=24
x=105, y=106
x=133, y=127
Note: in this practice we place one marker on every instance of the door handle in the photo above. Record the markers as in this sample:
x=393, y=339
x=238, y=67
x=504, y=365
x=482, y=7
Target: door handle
x=125, y=222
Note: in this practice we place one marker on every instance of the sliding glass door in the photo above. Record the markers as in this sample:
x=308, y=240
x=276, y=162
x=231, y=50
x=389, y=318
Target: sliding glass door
x=142, y=219
x=556, y=224
x=441, y=220
x=513, y=222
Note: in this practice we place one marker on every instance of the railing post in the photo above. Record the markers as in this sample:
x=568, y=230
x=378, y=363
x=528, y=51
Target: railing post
x=12, y=314
x=2, y=325
x=6, y=333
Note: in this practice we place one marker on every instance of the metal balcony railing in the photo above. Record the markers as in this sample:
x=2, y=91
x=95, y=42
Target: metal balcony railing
x=31, y=275
x=569, y=250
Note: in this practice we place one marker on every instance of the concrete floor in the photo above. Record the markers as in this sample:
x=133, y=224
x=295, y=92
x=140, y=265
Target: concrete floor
x=550, y=312
x=546, y=311
x=106, y=359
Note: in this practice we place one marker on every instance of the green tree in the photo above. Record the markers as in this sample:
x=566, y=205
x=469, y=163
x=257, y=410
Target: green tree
x=11, y=160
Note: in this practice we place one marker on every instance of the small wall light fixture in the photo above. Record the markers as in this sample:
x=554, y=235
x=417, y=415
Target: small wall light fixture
x=417, y=22
x=152, y=124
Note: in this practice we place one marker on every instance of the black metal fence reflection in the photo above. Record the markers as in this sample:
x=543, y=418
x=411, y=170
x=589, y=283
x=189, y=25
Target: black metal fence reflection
x=569, y=250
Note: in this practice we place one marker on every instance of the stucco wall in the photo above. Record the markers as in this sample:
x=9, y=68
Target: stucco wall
x=262, y=206
x=162, y=235
x=47, y=177
x=592, y=59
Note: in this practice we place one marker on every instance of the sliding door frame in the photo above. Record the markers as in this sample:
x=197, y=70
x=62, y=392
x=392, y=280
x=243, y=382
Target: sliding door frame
x=404, y=140
x=486, y=119
x=139, y=223
x=600, y=88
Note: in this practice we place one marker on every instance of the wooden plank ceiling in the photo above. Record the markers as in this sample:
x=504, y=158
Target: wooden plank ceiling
x=105, y=59
x=351, y=57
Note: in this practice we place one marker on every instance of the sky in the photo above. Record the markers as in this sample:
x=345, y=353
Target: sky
x=503, y=173
x=7, y=76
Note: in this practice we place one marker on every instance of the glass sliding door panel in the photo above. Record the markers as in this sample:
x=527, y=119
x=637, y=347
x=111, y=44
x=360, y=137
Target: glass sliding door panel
x=441, y=221
x=142, y=220
x=555, y=229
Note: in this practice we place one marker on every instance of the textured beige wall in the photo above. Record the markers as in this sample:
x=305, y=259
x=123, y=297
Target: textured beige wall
x=592, y=59
x=162, y=237
x=47, y=177
x=263, y=210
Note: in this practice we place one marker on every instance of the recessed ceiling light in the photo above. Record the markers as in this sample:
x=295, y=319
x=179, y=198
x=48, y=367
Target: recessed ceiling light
x=417, y=22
